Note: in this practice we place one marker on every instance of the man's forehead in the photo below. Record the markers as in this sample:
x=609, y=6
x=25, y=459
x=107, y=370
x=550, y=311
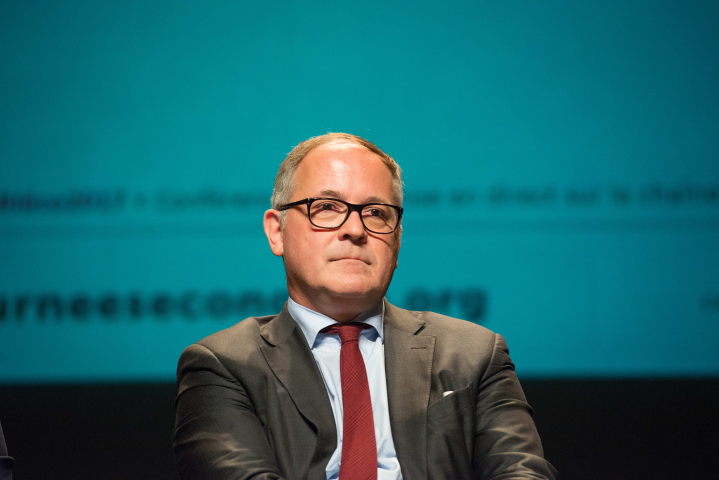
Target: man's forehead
x=344, y=170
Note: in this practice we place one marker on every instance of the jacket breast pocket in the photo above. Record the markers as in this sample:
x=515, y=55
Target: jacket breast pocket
x=450, y=435
x=456, y=400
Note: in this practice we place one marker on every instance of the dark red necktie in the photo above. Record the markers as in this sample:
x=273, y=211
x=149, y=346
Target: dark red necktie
x=359, y=447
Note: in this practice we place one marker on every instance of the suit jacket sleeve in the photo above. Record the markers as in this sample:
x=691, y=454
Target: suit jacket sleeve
x=217, y=432
x=507, y=445
x=6, y=462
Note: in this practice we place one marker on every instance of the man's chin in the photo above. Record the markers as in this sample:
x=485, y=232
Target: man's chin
x=356, y=286
x=354, y=291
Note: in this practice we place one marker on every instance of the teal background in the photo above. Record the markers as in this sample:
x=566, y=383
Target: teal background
x=559, y=157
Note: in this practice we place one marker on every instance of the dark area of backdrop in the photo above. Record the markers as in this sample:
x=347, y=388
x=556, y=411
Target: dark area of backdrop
x=562, y=188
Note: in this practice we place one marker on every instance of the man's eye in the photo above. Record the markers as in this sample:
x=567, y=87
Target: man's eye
x=376, y=212
x=327, y=206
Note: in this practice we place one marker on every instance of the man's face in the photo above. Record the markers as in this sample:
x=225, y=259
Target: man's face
x=347, y=268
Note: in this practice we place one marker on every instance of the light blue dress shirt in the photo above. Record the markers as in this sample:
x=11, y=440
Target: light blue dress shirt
x=326, y=350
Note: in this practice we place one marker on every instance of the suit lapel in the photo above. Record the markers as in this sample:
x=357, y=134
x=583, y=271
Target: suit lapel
x=291, y=360
x=408, y=366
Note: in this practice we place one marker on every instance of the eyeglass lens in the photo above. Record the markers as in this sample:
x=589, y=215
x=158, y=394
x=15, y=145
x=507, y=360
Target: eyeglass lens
x=331, y=214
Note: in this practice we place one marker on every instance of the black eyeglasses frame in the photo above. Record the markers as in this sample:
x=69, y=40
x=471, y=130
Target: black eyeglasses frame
x=351, y=207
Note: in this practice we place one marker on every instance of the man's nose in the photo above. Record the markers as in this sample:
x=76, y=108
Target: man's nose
x=354, y=227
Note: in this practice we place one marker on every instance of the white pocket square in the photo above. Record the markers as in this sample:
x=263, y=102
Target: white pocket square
x=447, y=393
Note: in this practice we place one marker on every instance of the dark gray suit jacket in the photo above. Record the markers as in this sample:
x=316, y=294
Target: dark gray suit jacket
x=251, y=403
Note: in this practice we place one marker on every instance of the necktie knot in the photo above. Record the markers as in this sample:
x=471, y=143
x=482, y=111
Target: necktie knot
x=348, y=332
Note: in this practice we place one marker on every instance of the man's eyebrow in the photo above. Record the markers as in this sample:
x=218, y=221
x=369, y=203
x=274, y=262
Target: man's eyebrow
x=375, y=199
x=336, y=194
x=331, y=193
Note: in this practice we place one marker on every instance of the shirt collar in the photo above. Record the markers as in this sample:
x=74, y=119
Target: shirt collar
x=312, y=322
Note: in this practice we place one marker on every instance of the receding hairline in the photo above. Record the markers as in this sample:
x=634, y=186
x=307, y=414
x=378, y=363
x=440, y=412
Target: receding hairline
x=339, y=143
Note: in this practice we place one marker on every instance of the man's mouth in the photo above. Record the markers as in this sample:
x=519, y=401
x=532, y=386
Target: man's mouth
x=356, y=259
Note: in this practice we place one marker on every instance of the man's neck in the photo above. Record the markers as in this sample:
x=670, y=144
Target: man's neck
x=342, y=311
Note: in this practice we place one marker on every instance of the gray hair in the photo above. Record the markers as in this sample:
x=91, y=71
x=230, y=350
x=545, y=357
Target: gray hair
x=284, y=182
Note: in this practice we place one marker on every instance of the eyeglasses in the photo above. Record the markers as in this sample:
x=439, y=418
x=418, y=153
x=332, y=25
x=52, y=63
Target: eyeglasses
x=330, y=213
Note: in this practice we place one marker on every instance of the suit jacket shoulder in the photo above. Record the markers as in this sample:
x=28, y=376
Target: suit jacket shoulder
x=462, y=334
x=243, y=331
x=462, y=350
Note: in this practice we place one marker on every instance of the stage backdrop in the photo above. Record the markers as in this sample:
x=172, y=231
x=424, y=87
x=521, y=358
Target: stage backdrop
x=561, y=168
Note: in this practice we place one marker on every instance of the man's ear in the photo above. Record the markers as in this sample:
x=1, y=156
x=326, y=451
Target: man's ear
x=273, y=230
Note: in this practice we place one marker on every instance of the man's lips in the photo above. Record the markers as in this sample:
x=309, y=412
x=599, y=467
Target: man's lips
x=356, y=259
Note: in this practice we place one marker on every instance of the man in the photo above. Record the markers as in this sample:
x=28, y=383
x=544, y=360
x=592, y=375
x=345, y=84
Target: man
x=341, y=383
